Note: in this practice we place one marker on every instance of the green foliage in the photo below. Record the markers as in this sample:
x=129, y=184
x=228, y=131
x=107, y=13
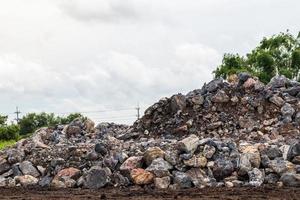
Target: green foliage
x=277, y=54
x=8, y=132
x=33, y=121
x=6, y=143
x=71, y=117
x=3, y=120
x=231, y=64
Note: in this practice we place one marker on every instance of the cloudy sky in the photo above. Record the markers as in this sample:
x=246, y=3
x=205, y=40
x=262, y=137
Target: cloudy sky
x=107, y=55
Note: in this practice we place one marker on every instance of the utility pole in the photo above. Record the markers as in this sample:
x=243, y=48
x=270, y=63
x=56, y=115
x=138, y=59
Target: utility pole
x=138, y=111
x=18, y=112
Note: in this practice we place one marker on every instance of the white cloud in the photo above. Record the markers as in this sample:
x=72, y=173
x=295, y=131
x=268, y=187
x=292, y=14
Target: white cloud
x=103, y=10
x=77, y=55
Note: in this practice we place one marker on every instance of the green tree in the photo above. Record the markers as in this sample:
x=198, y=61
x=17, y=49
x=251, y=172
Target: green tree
x=279, y=54
x=3, y=120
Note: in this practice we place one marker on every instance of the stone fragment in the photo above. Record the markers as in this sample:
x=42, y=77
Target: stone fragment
x=294, y=150
x=290, y=179
x=244, y=164
x=281, y=166
x=26, y=180
x=27, y=168
x=141, y=176
x=97, y=177
x=132, y=163
x=287, y=110
x=100, y=148
x=222, y=168
x=4, y=166
x=220, y=97
x=198, y=177
x=196, y=161
x=209, y=151
x=182, y=179
x=277, y=100
x=89, y=125
x=160, y=167
x=252, y=151
x=189, y=144
x=153, y=153
x=256, y=177
x=178, y=102
x=162, y=183
x=71, y=172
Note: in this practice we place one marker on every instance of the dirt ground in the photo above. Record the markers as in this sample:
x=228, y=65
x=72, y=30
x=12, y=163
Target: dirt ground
x=146, y=194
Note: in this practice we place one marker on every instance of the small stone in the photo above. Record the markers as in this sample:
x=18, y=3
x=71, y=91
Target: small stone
x=271, y=178
x=42, y=170
x=244, y=164
x=132, y=163
x=198, y=100
x=222, y=168
x=256, y=177
x=27, y=168
x=162, y=183
x=141, y=176
x=249, y=83
x=278, y=101
x=72, y=131
x=189, y=144
x=252, y=151
x=294, y=150
x=196, y=161
x=198, y=177
x=281, y=166
x=209, y=151
x=45, y=181
x=290, y=179
x=182, y=179
x=97, y=177
x=228, y=184
x=101, y=149
x=153, y=153
x=26, y=180
x=220, y=97
x=178, y=102
x=160, y=167
x=71, y=172
x=273, y=152
x=287, y=110
x=89, y=125
x=4, y=165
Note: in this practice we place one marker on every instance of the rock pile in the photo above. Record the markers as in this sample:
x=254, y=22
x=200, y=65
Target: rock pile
x=239, y=133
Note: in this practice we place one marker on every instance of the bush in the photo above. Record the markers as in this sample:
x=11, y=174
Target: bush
x=9, y=132
x=32, y=121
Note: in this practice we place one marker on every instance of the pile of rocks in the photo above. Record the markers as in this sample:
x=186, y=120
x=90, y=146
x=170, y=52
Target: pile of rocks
x=239, y=133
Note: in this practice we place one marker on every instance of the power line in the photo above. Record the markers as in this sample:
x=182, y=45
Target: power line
x=95, y=111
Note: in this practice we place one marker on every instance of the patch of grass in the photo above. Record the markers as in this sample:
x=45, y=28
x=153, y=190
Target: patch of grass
x=6, y=143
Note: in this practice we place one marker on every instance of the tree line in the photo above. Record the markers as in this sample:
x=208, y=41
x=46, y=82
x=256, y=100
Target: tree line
x=276, y=55
x=30, y=123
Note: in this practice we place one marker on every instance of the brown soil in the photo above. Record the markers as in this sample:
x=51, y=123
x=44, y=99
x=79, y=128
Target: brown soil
x=144, y=194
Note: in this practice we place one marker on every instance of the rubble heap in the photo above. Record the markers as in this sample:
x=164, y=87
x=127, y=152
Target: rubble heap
x=239, y=133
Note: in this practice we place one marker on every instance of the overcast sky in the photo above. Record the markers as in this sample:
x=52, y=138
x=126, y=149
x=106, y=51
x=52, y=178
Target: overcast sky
x=87, y=55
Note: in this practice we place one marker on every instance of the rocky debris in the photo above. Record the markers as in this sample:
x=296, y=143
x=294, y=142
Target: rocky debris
x=160, y=167
x=189, y=144
x=226, y=134
x=153, y=153
x=162, y=183
x=141, y=176
x=97, y=177
x=27, y=168
x=26, y=180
